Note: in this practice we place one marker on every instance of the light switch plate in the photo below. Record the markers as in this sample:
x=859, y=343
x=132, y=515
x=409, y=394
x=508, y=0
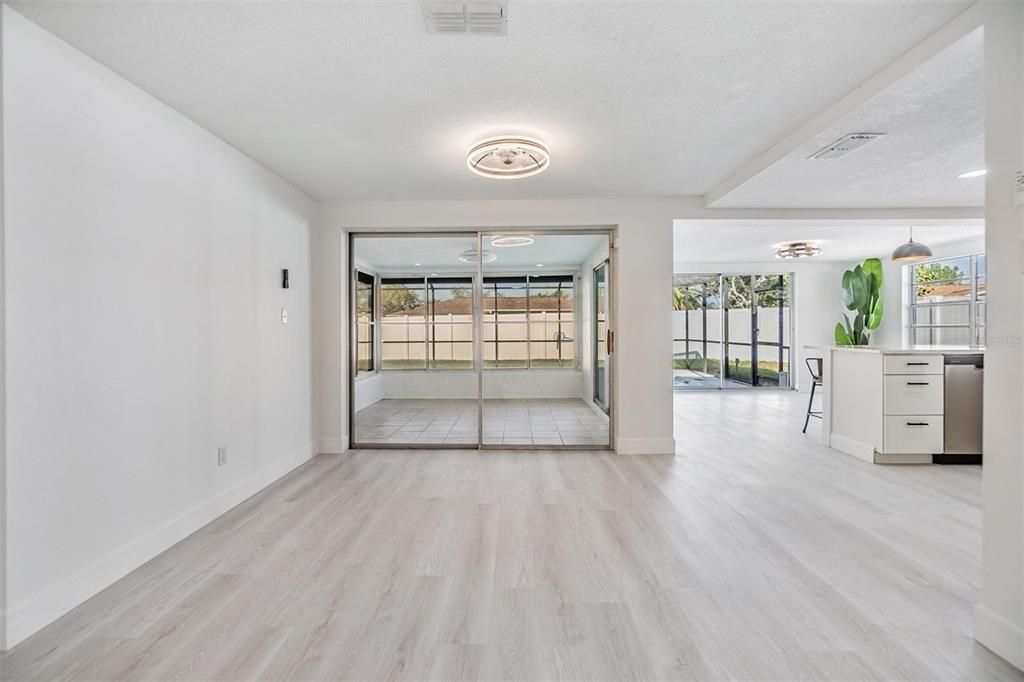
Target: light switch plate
x=1018, y=189
x=284, y=316
x=222, y=456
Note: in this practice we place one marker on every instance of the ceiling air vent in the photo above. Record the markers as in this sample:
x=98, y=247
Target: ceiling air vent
x=844, y=145
x=480, y=18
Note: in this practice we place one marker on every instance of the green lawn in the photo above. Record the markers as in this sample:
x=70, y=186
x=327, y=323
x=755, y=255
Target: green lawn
x=768, y=372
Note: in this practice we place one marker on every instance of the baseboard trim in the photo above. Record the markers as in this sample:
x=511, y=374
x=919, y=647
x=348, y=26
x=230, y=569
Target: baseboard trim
x=996, y=633
x=888, y=458
x=852, y=447
x=42, y=608
x=645, y=446
x=333, y=446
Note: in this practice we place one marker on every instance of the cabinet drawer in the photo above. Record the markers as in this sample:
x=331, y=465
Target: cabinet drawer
x=913, y=394
x=911, y=435
x=913, y=364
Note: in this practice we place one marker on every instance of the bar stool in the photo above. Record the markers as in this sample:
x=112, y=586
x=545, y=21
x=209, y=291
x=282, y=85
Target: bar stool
x=814, y=367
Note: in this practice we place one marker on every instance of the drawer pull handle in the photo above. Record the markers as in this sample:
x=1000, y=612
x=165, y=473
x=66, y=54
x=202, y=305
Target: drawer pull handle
x=918, y=383
x=917, y=364
x=917, y=424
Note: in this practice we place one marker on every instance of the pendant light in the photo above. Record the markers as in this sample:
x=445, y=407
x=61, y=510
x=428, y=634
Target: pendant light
x=911, y=251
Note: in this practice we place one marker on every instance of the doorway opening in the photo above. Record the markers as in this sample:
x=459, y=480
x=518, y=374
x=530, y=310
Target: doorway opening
x=481, y=339
x=732, y=330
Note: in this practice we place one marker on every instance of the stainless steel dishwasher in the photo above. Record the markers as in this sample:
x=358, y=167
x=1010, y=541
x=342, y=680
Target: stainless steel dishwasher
x=963, y=409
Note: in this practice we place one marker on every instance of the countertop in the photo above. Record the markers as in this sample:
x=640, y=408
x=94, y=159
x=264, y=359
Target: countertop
x=905, y=350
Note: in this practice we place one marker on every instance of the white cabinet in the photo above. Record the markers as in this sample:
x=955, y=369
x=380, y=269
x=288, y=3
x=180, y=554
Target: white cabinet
x=889, y=405
x=913, y=404
x=906, y=435
x=912, y=364
x=914, y=394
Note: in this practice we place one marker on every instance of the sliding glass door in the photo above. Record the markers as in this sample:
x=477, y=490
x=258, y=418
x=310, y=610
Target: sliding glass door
x=732, y=330
x=697, y=331
x=599, y=335
x=481, y=339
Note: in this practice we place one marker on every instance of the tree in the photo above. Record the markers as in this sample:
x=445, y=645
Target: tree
x=396, y=298
x=684, y=298
x=935, y=272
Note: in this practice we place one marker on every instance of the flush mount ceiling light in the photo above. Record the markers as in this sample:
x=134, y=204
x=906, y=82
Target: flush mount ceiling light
x=508, y=241
x=470, y=256
x=806, y=249
x=508, y=157
x=972, y=174
x=911, y=251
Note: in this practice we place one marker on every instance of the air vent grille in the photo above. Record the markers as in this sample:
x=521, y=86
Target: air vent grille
x=479, y=18
x=845, y=145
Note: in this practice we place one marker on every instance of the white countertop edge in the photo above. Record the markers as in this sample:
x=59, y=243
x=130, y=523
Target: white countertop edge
x=909, y=350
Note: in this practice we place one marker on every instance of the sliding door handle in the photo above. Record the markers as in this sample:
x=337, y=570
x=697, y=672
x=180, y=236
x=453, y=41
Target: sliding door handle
x=610, y=341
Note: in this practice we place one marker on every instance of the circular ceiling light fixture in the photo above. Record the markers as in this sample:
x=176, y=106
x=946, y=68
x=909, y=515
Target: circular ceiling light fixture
x=508, y=157
x=508, y=241
x=805, y=249
x=470, y=256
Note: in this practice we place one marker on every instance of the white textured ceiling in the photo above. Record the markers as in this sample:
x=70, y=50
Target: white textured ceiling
x=752, y=241
x=357, y=100
x=934, y=120
x=411, y=255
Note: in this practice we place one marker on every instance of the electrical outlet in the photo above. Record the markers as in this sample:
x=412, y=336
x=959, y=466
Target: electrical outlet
x=222, y=456
x=284, y=316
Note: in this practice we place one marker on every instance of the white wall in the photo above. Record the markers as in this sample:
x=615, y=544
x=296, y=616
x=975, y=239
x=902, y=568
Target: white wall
x=453, y=384
x=999, y=619
x=818, y=302
x=644, y=386
x=3, y=376
x=143, y=298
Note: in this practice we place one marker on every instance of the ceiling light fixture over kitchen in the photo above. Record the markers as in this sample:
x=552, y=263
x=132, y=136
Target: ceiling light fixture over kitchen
x=508, y=157
x=911, y=251
x=806, y=249
x=508, y=241
x=972, y=174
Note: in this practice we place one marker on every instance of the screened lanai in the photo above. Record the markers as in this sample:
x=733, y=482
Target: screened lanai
x=732, y=331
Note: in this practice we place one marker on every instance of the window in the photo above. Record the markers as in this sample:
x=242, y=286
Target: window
x=505, y=322
x=450, y=322
x=403, y=330
x=947, y=301
x=427, y=322
x=366, y=319
x=529, y=321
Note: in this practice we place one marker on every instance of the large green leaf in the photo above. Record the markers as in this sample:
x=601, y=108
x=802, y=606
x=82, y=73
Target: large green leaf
x=855, y=290
x=873, y=269
x=841, y=335
x=875, y=318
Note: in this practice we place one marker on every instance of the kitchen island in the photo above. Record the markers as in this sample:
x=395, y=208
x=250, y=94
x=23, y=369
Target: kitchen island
x=888, y=404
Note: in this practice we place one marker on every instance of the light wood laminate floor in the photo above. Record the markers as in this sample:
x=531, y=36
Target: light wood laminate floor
x=754, y=553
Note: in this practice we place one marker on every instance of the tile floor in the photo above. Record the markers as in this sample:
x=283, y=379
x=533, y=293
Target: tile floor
x=506, y=422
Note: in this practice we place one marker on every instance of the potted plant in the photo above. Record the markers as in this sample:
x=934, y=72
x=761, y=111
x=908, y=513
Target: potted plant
x=862, y=294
